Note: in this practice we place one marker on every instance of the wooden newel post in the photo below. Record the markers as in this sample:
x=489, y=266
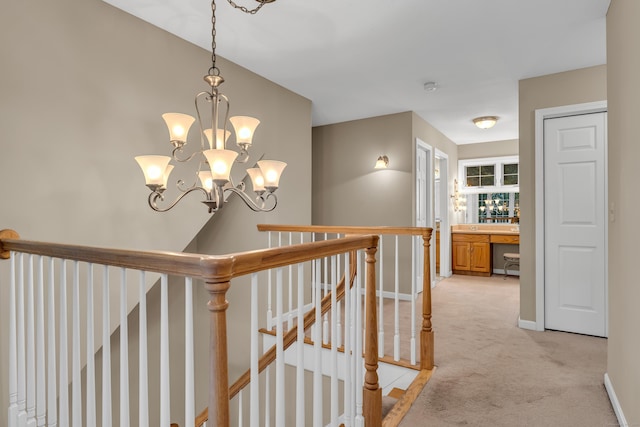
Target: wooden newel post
x=218, y=365
x=6, y=234
x=426, y=334
x=372, y=393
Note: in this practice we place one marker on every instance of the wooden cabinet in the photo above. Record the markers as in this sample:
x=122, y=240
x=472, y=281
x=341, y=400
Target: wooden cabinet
x=471, y=254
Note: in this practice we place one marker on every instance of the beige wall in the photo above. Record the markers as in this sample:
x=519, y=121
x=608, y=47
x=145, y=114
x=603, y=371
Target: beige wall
x=83, y=88
x=571, y=87
x=508, y=147
x=347, y=190
x=623, y=62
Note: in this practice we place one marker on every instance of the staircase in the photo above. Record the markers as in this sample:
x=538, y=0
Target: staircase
x=314, y=301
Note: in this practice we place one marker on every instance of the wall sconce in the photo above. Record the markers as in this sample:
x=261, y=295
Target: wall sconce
x=459, y=201
x=382, y=162
x=485, y=122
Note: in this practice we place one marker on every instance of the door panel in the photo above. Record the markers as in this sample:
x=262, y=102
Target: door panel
x=575, y=214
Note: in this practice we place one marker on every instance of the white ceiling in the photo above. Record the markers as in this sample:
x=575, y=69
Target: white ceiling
x=357, y=59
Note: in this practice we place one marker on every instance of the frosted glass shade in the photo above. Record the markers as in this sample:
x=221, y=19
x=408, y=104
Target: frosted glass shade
x=178, y=125
x=220, y=162
x=155, y=169
x=245, y=127
x=220, y=140
x=256, y=179
x=271, y=171
x=206, y=179
x=485, y=122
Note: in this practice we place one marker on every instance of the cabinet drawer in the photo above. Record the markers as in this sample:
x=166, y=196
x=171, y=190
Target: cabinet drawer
x=473, y=238
x=514, y=240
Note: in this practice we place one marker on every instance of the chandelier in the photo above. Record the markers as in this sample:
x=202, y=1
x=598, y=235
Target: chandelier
x=215, y=159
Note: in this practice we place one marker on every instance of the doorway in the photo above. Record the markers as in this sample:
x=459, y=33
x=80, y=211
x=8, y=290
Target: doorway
x=441, y=212
x=571, y=226
x=424, y=206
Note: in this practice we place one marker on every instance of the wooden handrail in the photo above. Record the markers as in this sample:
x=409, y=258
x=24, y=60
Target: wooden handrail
x=412, y=231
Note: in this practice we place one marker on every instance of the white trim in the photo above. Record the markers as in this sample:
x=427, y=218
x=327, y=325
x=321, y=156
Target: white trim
x=500, y=272
x=527, y=324
x=445, y=235
x=430, y=220
x=614, y=401
x=540, y=116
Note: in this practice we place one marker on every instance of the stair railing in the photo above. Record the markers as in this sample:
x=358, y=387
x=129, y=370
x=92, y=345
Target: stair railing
x=40, y=273
x=402, y=269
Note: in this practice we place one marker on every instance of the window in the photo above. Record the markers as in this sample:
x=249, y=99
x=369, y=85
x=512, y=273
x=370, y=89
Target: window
x=489, y=175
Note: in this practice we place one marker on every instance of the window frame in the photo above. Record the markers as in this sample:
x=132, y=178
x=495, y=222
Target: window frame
x=498, y=163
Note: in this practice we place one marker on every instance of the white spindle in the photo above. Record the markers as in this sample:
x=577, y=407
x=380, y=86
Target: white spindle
x=91, y=372
x=359, y=419
x=300, y=353
x=396, y=322
x=414, y=297
x=76, y=368
x=290, y=312
x=254, y=389
x=41, y=390
x=338, y=306
x=347, y=344
x=22, y=369
x=63, y=384
x=52, y=410
x=267, y=398
x=317, y=352
x=107, y=419
x=143, y=374
x=381, y=303
x=325, y=282
x=279, y=351
x=269, y=290
x=240, y=409
x=31, y=347
x=165, y=402
x=189, y=385
x=13, y=346
x=334, y=345
x=124, y=352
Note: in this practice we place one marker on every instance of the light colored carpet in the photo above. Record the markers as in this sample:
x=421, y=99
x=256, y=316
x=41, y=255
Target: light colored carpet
x=492, y=373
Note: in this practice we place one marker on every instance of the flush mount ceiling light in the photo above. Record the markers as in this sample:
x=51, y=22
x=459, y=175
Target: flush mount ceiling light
x=382, y=162
x=213, y=174
x=431, y=86
x=485, y=122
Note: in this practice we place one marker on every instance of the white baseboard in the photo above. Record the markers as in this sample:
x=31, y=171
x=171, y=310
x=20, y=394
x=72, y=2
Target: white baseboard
x=527, y=324
x=614, y=401
x=509, y=272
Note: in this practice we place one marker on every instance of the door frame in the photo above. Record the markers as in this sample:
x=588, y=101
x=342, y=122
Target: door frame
x=421, y=145
x=445, y=235
x=540, y=116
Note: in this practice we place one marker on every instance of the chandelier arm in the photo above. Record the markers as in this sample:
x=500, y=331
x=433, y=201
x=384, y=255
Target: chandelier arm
x=208, y=95
x=253, y=205
x=177, y=150
x=154, y=196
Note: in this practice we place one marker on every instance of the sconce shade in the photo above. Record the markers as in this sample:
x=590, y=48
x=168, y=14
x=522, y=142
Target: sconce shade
x=178, y=125
x=220, y=140
x=220, y=162
x=256, y=179
x=485, y=122
x=206, y=179
x=245, y=127
x=382, y=162
x=155, y=168
x=271, y=172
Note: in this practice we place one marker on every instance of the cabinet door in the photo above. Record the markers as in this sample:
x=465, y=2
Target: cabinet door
x=481, y=257
x=461, y=255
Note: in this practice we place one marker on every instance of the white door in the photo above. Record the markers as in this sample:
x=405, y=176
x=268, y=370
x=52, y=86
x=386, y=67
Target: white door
x=575, y=227
x=423, y=206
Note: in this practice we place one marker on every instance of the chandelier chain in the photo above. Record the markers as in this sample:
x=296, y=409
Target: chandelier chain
x=213, y=71
x=245, y=10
